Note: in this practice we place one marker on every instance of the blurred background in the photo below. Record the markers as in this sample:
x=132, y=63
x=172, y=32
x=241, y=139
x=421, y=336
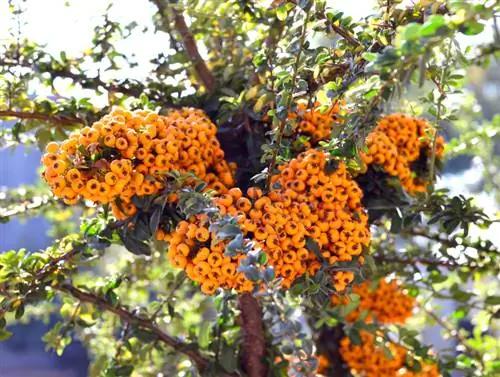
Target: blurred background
x=68, y=26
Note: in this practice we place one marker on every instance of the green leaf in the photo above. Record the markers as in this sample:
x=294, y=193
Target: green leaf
x=154, y=220
x=43, y=136
x=205, y=334
x=281, y=12
x=397, y=221
x=472, y=28
x=4, y=334
x=411, y=32
x=432, y=25
x=492, y=300
x=369, y=56
x=354, y=336
x=227, y=359
x=313, y=246
x=144, y=335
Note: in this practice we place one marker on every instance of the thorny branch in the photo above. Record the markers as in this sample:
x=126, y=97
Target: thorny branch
x=454, y=333
x=128, y=317
x=190, y=47
x=62, y=120
x=281, y=128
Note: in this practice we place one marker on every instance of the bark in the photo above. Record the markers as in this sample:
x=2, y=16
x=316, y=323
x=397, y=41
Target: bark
x=254, y=342
x=329, y=345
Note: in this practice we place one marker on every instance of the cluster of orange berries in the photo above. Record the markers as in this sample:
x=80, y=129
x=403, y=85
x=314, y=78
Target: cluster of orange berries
x=396, y=143
x=306, y=202
x=194, y=248
x=387, y=302
x=314, y=123
x=314, y=197
x=127, y=153
x=369, y=360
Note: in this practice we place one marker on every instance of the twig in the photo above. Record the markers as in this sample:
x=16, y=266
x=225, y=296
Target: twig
x=168, y=298
x=63, y=120
x=24, y=206
x=281, y=128
x=454, y=333
x=412, y=262
x=346, y=35
x=126, y=316
x=190, y=47
x=445, y=240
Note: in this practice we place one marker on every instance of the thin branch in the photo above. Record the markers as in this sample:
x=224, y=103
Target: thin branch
x=62, y=120
x=281, y=128
x=412, y=262
x=346, y=35
x=189, y=43
x=126, y=87
x=454, y=333
x=128, y=317
x=169, y=297
x=24, y=207
x=450, y=242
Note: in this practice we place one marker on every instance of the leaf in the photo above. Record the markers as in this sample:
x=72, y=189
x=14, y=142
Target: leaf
x=204, y=335
x=154, y=220
x=492, y=300
x=331, y=166
x=281, y=12
x=144, y=336
x=228, y=231
x=313, y=246
x=43, y=136
x=432, y=25
x=135, y=246
x=227, y=359
x=387, y=352
x=354, y=336
x=472, y=28
x=397, y=221
x=411, y=32
x=19, y=311
x=369, y=56
x=4, y=334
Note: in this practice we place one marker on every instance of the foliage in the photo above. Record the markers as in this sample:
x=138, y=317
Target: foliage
x=293, y=101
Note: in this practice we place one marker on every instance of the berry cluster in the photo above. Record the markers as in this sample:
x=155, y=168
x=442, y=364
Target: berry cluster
x=195, y=249
x=387, y=302
x=314, y=198
x=127, y=153
x=396, y=145
x=370, y=360
x=306, y=202
x=314, y=123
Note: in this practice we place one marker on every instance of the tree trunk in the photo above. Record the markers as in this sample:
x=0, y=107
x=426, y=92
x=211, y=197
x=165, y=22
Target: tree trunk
x=328, y=344
x=254, y=342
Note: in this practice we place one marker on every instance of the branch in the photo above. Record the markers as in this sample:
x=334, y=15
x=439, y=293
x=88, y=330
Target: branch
x=412, y=262
x=454, y=333
x=254, y=342
x=450, y=242
x=62, y=120
x=24, y=206
x=189, y=43
x=281, y=128
x=147, y=324
x=346, y=35
x=126, y=87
